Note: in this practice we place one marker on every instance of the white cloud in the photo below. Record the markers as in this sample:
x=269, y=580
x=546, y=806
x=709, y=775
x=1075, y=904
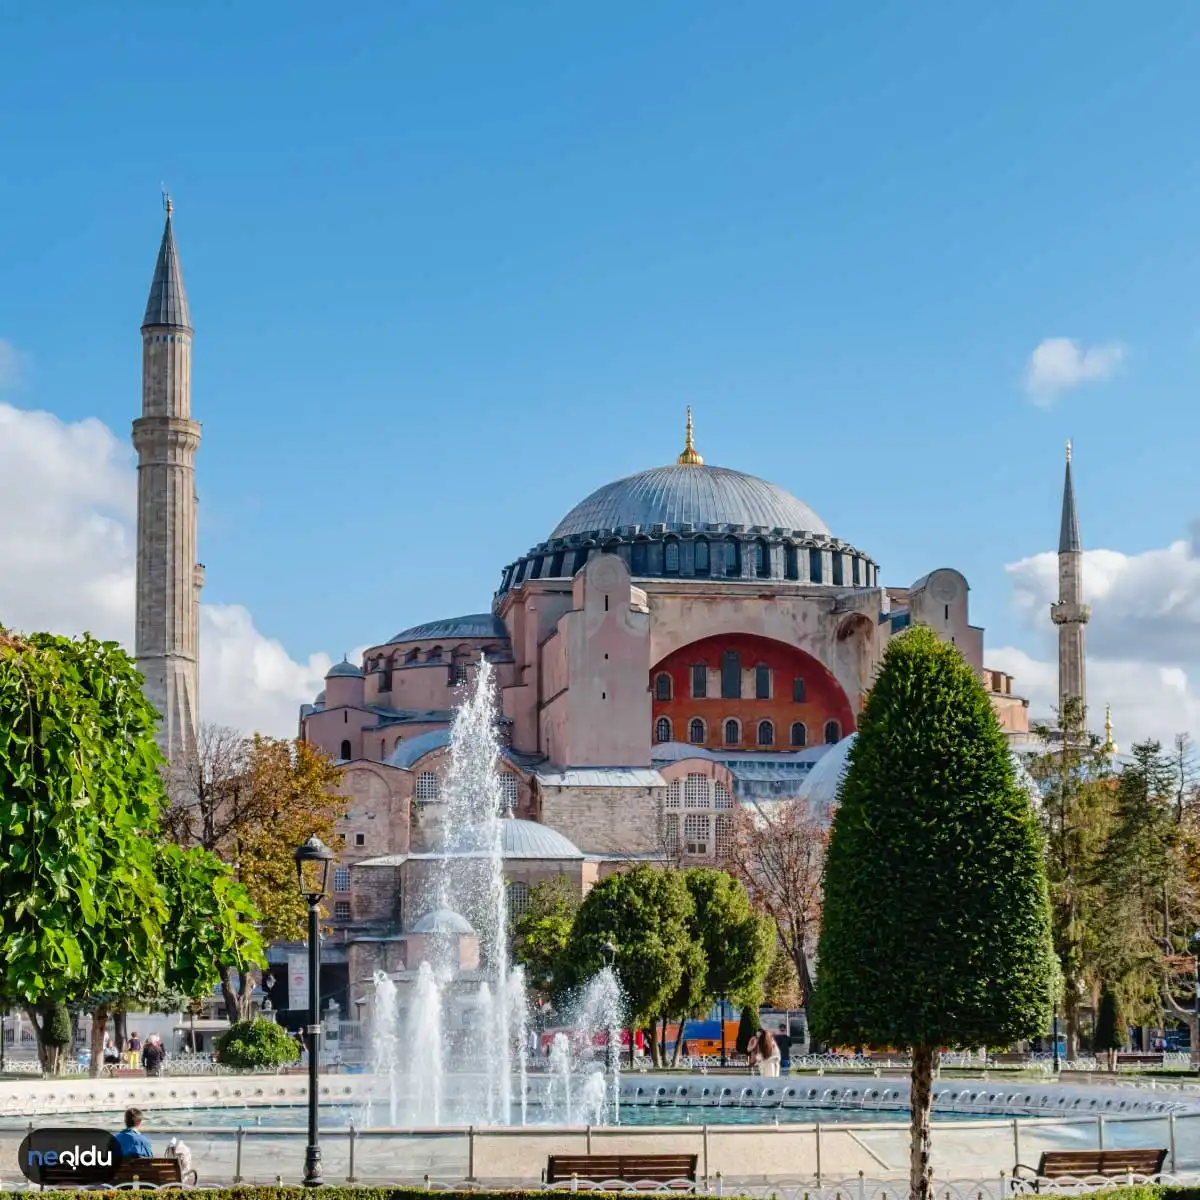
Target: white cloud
x=1057, y=364
x=68, y=496
x=11, y=365
x=1143, y=641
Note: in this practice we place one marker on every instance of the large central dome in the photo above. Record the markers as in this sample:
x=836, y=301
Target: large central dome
x=689, y=495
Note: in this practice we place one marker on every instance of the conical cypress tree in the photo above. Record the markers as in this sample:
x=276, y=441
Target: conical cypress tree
x=936, y=925
x=748, y=1026
x=1110, y=1026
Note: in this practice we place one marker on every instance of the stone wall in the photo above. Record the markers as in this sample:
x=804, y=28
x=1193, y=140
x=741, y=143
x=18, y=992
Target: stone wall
x=605, y=820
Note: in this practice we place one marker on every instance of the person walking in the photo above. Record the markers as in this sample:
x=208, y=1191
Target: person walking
x=764, y=1050
x=153, y=1056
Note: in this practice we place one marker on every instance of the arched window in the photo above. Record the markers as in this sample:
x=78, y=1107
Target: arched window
x=435, y=655
x=798, y=692
x=581, y=557
x=799, y=734
x=762, y=682
x=662, y=730
x=766, y=733
x=662, y=686
x=814, y=566
x=701, y=565
x=833, y=732
x=733, y=557
x=733, y=732
x=762, y=559
x=410, y=656
x=536, y=573
x=427, y=787
x=791, y=562
x=696, y=732
x=458, y=672
x=518, y=898
x=699, y=681
x=671, y=557
x=508, y=791
x=345, y=755
x=731, y=675
x=638, y=558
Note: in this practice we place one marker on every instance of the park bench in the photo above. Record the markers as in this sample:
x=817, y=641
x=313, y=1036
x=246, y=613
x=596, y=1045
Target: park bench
x=1009, y=1058
x=652, y=1169
x=1085, y=1164
x=150, y=1172
x=1134, y=1059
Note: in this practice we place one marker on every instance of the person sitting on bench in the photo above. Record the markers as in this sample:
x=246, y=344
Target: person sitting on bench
x=132, y=1141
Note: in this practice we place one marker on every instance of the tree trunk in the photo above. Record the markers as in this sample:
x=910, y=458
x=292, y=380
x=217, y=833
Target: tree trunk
x=49, y=1057
x=245, y=989
x=678, y=1043
x=99, y=1028
x=655, y=1054
x=1072, y=1015
x=229, y=993
x=119, y=1034
x=920, y=1173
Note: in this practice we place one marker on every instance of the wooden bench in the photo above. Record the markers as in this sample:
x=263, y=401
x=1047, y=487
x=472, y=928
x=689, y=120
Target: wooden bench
x=1083, y=1164
x=653, y=1169
x=152, y=1172
x=1139, y=1060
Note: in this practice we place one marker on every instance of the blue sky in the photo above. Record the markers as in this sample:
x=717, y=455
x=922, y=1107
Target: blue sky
x=452, y=266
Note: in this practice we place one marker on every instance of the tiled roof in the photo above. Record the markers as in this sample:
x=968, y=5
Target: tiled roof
x=167, y=304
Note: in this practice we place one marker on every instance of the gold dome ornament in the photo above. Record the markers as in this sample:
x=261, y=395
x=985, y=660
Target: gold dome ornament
x=689, y=457
x=1109, y=747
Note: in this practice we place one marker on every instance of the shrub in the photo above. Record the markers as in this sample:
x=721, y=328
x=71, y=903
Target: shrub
x=748, y=1026
x=257, y=1043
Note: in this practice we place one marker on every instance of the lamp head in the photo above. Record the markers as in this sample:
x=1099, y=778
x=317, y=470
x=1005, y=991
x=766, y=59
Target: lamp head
x=312, y=868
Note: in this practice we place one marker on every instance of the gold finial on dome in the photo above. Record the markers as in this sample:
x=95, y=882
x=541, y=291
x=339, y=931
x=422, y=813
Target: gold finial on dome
x=689, y=457
x=1109, y=747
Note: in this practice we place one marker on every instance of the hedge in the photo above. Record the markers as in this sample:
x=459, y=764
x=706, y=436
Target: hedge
x=271, y=1192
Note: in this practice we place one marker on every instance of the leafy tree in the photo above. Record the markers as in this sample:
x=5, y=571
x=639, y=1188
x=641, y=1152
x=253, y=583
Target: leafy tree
x=781, y=988
x=644, y=914
x=936, y=924
x=257, y=1043
x=778, y=855
x=748, y=1026
x=1110, y=1026
x=251, y=801
x=542, y=931
x=731, y=947
x=80, y=793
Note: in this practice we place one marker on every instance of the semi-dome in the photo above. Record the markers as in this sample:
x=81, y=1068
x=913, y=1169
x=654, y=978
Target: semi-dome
x=821, y=785
x=443, y=920
x=691, y=496
x=474, y=625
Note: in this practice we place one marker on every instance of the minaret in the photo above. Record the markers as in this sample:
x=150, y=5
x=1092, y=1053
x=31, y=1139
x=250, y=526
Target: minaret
x=168, y=577
x=1070, y=613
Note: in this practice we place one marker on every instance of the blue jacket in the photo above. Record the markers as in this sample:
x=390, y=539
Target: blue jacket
x=133, y=1144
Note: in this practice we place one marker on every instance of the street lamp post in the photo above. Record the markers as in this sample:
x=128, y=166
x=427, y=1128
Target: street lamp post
x=1056, y=1061
x=312, y=873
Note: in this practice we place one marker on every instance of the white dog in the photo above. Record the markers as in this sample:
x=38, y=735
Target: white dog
x=180, y=1152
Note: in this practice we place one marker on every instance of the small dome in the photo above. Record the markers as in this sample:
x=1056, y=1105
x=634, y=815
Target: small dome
x=320, y=697
x=443, y=920
x=693, y=495
x=475, y=625
x=820, y=788
x=528, y=839
x=343, y=670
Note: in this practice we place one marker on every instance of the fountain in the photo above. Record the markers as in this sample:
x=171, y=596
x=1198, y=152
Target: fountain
x=465, y=972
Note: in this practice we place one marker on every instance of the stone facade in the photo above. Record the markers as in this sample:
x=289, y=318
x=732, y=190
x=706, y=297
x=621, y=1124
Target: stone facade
x=169, y=578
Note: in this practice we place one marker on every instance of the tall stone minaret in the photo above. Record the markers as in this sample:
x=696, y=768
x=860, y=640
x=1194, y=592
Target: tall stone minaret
x=1070, y=613
x=168, y=577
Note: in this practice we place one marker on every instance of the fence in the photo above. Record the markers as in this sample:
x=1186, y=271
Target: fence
x=728, y=1156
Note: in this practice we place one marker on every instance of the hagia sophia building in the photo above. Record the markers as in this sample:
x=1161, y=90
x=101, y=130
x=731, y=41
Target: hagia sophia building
x=686, y=640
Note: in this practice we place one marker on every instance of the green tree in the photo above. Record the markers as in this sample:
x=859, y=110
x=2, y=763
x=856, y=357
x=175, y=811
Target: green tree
x=730, y=951
x=936, y=922
x=541, y=933
x=748, y=1026
x=1074, y=776
x=1110, y=1025
x=781, y=988
x=644, y=914
x=81, y=911
x=257, y=1043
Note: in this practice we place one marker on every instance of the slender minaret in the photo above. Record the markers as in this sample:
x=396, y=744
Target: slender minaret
x=168, y=577
x=1070, y=613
